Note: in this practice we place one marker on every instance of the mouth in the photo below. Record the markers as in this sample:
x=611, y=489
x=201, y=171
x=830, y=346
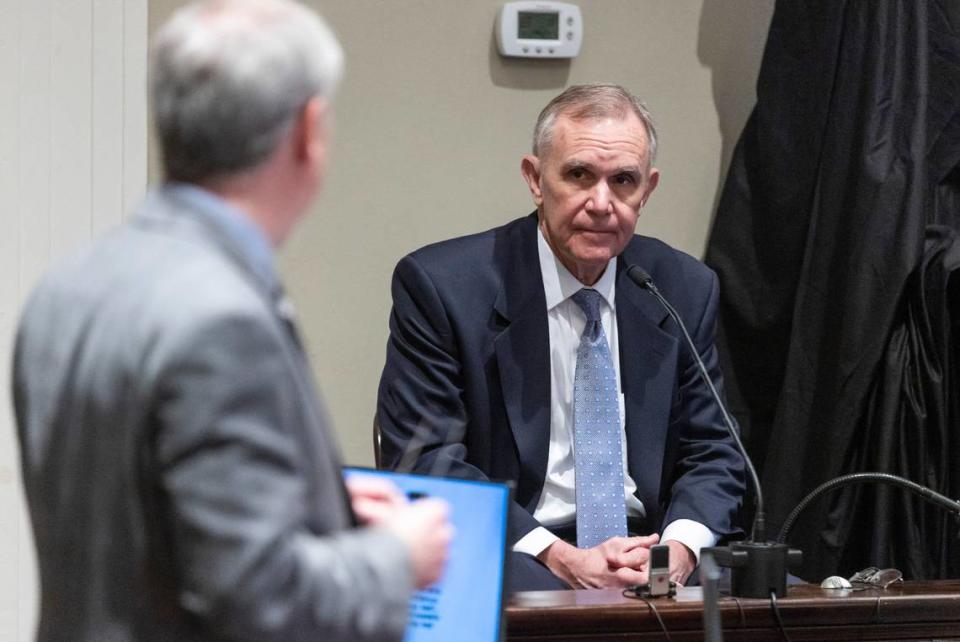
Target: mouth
x=595, y=232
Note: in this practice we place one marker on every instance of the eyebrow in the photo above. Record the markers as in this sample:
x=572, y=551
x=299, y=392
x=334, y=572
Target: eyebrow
x=579, y=164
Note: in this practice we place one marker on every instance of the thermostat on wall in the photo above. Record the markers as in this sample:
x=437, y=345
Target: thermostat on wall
x=539, y=29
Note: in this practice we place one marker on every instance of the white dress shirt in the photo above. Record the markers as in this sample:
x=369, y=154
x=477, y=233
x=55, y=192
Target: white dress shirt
x=558, y=501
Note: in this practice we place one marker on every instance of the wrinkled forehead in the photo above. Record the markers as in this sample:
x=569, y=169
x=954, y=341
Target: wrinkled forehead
x=621, y=138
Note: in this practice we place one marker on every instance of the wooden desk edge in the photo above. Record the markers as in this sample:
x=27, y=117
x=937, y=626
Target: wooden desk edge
x=580, y=612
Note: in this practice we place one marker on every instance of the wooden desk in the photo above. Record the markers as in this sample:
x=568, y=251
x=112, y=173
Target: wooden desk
x=909, y=611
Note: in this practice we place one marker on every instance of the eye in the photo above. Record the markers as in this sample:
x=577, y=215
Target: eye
x=624, y=179
x=577, y=173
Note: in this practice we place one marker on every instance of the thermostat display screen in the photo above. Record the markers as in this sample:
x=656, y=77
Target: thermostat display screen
x=538, y=25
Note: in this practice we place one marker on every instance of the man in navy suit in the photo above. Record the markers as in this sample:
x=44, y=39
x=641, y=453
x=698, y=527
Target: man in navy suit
x=479, y=380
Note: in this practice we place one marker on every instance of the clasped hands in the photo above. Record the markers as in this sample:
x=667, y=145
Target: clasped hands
x=616, y=563
x=425, y=529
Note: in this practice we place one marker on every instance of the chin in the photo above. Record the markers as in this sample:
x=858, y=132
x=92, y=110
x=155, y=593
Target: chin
x=595, y=255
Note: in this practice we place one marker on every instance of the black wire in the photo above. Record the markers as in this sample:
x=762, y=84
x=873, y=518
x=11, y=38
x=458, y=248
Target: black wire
x=776, y=614
x=632, y=594
x=663, y=627
x=736, y=600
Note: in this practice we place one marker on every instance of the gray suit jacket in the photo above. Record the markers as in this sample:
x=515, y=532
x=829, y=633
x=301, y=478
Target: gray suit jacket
x=181, y=478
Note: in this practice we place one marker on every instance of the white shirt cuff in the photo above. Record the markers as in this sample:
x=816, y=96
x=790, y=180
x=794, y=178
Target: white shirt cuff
x=691, y=534
x=535, y=542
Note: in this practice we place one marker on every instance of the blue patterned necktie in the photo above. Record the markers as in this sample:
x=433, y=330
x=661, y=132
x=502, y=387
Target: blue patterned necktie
x=601, y=512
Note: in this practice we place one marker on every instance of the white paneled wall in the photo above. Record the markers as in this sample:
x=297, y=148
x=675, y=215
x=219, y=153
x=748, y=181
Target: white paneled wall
x=73, y=161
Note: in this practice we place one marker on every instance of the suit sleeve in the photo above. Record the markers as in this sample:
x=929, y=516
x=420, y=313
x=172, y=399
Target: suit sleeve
x=231, y=470
x=421, y=409
x=707, y=483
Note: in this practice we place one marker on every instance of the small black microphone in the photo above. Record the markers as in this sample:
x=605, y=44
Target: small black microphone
x=639, y=276
x=759, y=567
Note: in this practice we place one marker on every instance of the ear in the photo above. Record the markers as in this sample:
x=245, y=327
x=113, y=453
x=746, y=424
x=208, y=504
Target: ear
x=530, y=169
x=653, y=179
x=312, y=131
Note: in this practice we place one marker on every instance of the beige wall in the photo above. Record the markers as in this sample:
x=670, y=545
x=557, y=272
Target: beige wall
x=431, y=126
x=72, y=163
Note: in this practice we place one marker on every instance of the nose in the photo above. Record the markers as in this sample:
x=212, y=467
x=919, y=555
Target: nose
x=600, y=201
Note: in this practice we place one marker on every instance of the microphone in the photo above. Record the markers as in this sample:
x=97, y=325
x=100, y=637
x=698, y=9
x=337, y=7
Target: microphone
x=759, y=567
x=927, y=494
x=639, y=276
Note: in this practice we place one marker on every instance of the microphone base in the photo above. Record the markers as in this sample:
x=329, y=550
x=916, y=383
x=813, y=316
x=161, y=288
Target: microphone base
x=757, y=569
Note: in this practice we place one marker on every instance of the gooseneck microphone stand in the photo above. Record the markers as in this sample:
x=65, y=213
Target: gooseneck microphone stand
x=931, y=496
x=758, y=566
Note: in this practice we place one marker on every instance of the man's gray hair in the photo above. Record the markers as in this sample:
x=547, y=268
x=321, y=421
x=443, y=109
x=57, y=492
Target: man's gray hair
x=589, y=102
x=228, y=78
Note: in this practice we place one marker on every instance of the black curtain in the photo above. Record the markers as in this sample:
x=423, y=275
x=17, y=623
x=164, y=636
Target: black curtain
x=850, y=154
x=911, y=427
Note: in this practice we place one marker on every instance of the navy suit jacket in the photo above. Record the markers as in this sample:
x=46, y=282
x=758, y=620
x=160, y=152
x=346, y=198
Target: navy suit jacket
x=465, y=390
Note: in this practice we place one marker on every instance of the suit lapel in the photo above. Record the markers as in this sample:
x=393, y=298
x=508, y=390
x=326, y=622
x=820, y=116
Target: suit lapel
x=647, y=374
x=523, y=357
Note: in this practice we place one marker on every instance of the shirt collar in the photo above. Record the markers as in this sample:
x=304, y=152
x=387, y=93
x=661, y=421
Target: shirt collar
x=559, y=285
x=245, y=235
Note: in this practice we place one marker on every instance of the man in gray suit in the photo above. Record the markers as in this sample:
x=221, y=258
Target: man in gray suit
x=181, y=477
